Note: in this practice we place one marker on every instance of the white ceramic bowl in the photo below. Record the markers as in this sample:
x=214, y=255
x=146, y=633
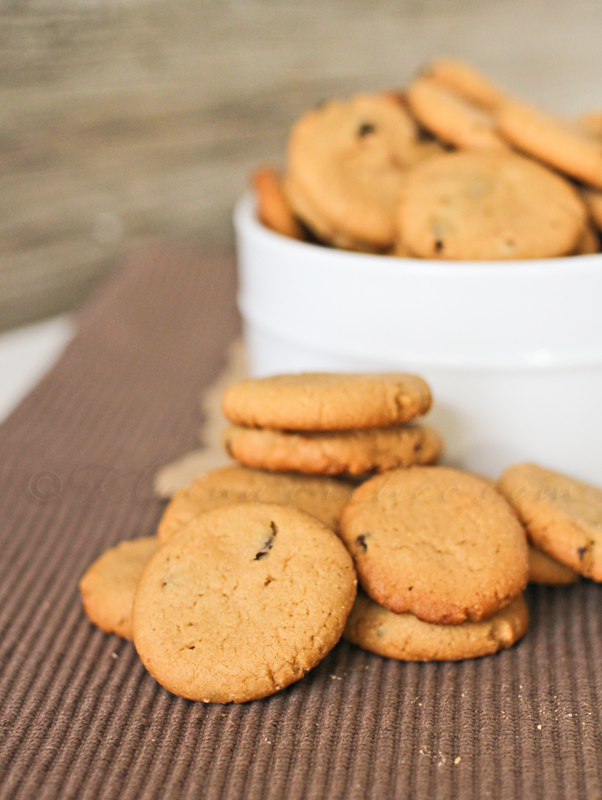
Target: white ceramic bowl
x=512, y=350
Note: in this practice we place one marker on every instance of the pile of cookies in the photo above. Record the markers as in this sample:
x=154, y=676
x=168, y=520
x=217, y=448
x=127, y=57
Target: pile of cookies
x=252, y=576
x=452, y=167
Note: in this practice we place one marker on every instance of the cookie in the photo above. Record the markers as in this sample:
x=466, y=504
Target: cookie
x=347, y=161
x=272, y=207
x=405, y=637
x=350, y=453
x=559, y=143
x=108, y=586
x=437, y=542
x=563, y=516
x=464, y=79
x=241, y=602
x=484, y=206
x=323, y=498
x=593, y=201
x=452, y=118
x=544, y=569
x=589, y=242
x=323, y=401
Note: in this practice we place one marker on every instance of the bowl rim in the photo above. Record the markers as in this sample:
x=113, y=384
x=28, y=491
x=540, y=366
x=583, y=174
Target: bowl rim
x=245, y=218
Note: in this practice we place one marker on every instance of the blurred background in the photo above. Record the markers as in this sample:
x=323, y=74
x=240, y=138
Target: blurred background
x=129, y=120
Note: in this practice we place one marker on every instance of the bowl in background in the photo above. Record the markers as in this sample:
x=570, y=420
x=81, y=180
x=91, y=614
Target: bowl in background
x=511, y=349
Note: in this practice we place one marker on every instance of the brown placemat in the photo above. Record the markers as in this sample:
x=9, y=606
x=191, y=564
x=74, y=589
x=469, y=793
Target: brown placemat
x=80, y=718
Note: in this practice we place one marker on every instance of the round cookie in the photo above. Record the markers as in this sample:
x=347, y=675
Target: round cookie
x=545, y=570
x=452, y=118
x=322, y=401
x=334, y=453
x=347, y=160
x=484, y=206
x=464, y=79
x=323, y=498
x=563, y=516
x=272, y=208
x=565, y=146
x=437, y=542
x=242, y=602
x=405, y=637
x=108, y=586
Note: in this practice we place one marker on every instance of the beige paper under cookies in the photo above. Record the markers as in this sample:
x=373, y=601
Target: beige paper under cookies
x=212, y=455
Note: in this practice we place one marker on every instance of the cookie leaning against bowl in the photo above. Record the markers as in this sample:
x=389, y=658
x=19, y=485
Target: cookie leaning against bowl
x=348, y=453
x=560, y=143
x=347, y=161
x=488, y=206
x=324, y=401
x=108, y=586
x=242, y=602
x=407, y=638
x=437, y=542
x=272, y=207
x=563, y=516
x=453, y=118
x=324, y=498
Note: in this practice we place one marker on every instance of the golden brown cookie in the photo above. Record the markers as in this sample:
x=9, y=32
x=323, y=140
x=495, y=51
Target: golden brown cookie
x=108, y=586
x=563, y=516
x=563, y=145
x=452, y=118
x=407, y=638
x=437, y=542
x=272, y=207
x=334, y=453
x=593, y=201
x=325, y=401
x=346, y=162
x=323, y=498
x=488, y=206
x=464, y=79
x=544, y=569
x=242, y=602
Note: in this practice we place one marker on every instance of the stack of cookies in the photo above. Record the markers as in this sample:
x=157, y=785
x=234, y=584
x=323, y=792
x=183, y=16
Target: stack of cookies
x=450, y=167
x=330, y=424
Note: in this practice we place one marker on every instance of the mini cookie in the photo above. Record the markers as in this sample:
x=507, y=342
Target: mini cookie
x=452, y=118
x=108, y=586
x=589, y=242
x=323, y=401
x=487, y=206
x=564, y=146
x=272, y=207
x=405, y=637
x=334, y=453
x=242, y=602
x=347, y=160
x=464, y=79
x=437, y=542
x=323, y=498
x=593, y=201
x=544, y=569
x=563, y=516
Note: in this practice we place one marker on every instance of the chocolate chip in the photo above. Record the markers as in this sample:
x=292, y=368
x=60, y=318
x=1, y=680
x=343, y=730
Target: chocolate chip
x=269, y=543
x=581, y=551
x=365, y=129
x=438, y=245
x=361, y=542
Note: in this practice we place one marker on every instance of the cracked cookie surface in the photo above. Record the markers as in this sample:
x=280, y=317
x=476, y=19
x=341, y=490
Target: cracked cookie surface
x=241, y=602
x=440, y=543
x=563, y=516
x=322, y=401
x=350, y=453
x=323, y=498
x=109, y=584
x=407, y=638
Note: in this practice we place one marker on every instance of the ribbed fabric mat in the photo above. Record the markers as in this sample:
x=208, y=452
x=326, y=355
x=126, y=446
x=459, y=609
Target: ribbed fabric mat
x=80, y=717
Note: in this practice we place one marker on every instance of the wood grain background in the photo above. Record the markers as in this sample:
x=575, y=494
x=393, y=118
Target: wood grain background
x=124, y=120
